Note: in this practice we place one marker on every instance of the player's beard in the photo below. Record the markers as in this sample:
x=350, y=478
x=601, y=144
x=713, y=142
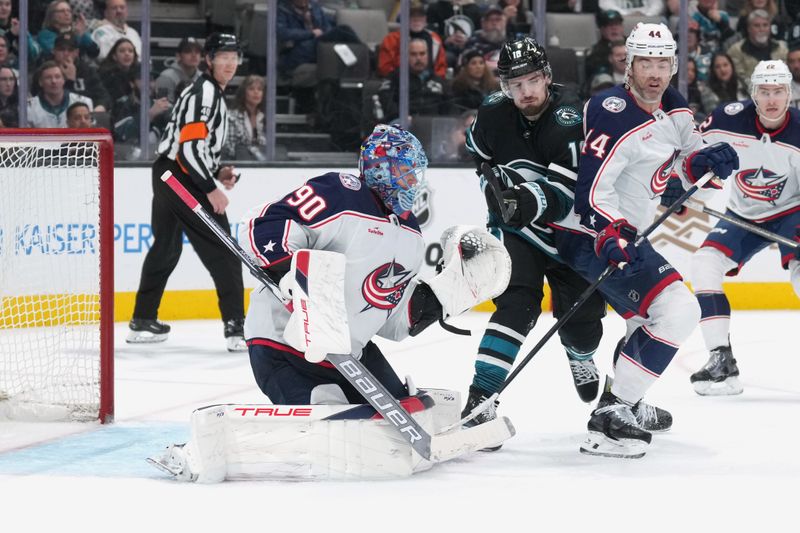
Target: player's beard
x=646, y=94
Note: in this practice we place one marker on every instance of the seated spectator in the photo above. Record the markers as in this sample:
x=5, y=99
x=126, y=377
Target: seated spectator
x=776, y=28
x=389, y=51
x=79, y=75
x=49, y=108
x=115, y=68
x=9, y=98
x=301, y=25
x=635, y=8
x=246, y=137
x=115, y=27
x=454, y=21
x=600, y=83
x=519, y=19
x=426, y=91
x=5, y=56
x=700, y=53
x=183, y=70
x=58, y=20
x=451, y=145
x=9, y=28
x=723, y=84
x=793, y=61
x=611, y=30
x=441, y=12
x=473, y=82
x=79, y=116
x=714, y=24
x=490, y=38
x=693, y=93
x=616, y=65
x=125, y=119
x=758, y=46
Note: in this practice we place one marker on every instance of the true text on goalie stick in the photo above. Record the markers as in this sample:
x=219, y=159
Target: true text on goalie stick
x=708, y=176
x=357, y=375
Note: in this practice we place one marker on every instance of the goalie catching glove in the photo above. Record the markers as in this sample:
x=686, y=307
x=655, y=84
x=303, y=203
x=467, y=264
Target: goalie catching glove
x=476, y=267
x=315, y=285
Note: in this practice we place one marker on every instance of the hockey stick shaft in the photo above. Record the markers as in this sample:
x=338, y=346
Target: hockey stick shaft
x=752, y=228
x=351, y=368
x=584, y=297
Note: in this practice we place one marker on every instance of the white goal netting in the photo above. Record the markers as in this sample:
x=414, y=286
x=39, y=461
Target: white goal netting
x=50, y=279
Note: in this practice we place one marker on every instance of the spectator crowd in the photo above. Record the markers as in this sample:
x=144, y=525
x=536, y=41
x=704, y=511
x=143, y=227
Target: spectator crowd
x=84, y=61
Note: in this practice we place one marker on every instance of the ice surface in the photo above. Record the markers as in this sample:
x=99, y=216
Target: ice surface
x=729, y=463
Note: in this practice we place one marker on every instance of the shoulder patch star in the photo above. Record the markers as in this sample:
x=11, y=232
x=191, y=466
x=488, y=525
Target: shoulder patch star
x=269, y=247
x=591, y=220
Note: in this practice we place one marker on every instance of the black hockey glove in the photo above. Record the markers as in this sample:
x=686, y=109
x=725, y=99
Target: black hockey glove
x=671, y=194
x=521, y=204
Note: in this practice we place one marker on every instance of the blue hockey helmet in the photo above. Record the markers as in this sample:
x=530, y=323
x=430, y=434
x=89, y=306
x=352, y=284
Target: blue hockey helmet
x=393, y=164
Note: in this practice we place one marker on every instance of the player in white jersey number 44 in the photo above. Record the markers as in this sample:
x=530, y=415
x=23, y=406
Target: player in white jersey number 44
x=636, y=134
x=765, y=193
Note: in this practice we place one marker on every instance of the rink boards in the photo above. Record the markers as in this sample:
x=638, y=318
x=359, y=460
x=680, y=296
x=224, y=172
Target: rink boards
x=452, y=197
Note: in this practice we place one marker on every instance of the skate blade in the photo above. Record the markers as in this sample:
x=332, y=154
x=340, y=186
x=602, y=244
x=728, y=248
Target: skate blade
x=236, y=344
x=598, y=444
x=162, y=466
x=729, y=387
x=144, y=337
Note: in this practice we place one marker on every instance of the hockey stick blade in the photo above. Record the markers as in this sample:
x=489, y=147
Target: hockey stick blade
x=446, y=446
x=505, y=210
x=351, y=369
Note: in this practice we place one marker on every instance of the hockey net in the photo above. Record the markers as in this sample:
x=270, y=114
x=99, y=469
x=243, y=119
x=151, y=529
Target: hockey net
x=56, y=275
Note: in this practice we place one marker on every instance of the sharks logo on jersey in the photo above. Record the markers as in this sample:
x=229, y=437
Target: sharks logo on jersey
x=383, y=288
x=760, y=184
x=660, y=177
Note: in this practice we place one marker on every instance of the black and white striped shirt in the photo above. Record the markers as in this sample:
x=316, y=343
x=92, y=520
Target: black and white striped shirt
x=195, y=135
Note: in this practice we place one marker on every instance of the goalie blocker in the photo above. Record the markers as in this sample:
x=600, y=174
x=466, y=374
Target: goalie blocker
x=316, y=442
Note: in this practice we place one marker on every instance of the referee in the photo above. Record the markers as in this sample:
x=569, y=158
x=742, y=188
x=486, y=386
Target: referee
x=190, y=148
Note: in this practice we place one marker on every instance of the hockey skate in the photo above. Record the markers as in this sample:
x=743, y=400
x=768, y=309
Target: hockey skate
x=719, y=376
x=234, y=335
x=614, y=432
x=476, y=397
x=585, y=376
x=145, y=330
x=649, y=417
x=174, y=461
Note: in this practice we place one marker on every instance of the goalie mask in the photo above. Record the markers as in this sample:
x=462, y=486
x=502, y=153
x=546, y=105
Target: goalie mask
x=393, y=163
x=773, y=73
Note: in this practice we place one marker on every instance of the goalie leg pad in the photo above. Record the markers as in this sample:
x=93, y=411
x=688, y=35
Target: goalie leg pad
x=476, y=268
x=318, y=324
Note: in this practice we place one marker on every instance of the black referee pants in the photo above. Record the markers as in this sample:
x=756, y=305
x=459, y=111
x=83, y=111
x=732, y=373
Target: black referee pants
x=170, y=219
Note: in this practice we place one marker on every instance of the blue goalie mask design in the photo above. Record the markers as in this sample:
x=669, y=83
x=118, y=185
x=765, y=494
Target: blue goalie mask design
x=393, y=164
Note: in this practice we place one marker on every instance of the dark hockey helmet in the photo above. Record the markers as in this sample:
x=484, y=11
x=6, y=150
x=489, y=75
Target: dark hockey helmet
x=522, y=56
x=221, y=42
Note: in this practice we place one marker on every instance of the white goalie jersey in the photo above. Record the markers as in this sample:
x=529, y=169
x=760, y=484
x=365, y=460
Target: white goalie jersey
x=767, y=183
x=337, y=212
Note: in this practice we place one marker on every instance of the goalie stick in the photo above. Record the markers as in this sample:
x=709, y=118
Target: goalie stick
x=436, y=448
x=752, y=228
x=582, y=299
x=505, y=209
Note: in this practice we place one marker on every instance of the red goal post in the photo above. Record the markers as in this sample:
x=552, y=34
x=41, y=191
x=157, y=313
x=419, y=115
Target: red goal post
x=56, y=274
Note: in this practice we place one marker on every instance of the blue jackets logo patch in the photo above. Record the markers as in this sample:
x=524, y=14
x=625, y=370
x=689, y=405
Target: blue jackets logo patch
x=760, y=184
x=614, y=104
x=384, y=287
x=350, y=182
